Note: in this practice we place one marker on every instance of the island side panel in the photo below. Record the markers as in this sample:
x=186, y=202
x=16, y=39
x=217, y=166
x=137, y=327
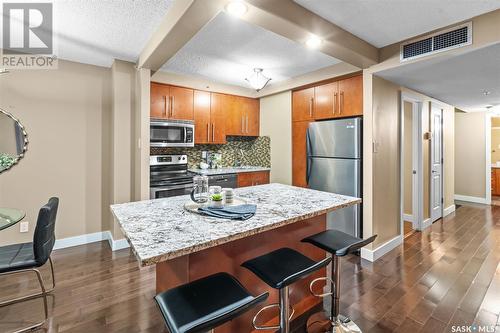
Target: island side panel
x=228, y=258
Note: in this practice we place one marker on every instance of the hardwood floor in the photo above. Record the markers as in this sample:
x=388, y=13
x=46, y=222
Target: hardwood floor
x=447, y=275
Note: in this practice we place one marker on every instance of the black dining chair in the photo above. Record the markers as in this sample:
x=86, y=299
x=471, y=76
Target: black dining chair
x=28, y=257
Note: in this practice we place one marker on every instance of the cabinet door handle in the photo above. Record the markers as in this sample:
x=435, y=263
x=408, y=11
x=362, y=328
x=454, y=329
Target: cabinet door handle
x=242, y=124
x=311, y=107
x=341, y=102
x=208, y=132
x=165, y=105
x=213, y=132
x=247, y=124
x=335, y=100
x=172, y=107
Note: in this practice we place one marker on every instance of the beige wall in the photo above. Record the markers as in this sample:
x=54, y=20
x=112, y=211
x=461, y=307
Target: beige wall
x=66, y=113
x=495, y=140
x=470, y=154
x=276, y=122
x=386, y=160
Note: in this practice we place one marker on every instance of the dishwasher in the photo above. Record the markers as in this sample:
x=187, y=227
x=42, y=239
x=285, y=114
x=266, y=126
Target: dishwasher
x=227, y=180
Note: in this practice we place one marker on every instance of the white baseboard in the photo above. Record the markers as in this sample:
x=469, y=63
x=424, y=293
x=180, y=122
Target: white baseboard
x=471, y=199
x=426, y=224
x=448, y=210
x=91, y=238
x=372, y=255
x=408, y=217
x=81, y=240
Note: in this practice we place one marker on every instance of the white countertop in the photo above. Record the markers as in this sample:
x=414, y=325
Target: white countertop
x=160, y=229
x=228, y=170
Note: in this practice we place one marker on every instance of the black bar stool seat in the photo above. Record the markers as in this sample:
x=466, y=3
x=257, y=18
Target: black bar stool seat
x=204, y=304
x=279, y=269
x=282, y=267
x=337, y=242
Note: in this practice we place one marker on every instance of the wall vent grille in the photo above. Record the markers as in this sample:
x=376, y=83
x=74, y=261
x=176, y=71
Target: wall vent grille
x=439, y=42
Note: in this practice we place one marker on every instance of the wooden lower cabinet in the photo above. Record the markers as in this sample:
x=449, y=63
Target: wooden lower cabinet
x=253, y=178
x=299, y=153
x=495, y=181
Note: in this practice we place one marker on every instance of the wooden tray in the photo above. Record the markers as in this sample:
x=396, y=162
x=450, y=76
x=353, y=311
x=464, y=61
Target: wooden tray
x=192, y=207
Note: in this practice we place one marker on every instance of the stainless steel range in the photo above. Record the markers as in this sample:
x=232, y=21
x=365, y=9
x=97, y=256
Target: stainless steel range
x=169, y=176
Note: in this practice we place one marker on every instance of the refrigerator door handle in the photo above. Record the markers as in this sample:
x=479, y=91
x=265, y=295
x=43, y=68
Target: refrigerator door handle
x=308, y=157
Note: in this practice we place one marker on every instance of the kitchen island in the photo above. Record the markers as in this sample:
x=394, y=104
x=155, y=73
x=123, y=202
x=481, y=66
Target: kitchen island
x=185, y=246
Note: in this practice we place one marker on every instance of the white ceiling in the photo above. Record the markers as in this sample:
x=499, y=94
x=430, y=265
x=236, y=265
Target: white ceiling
x=227, y=49
x=459, y=80
x=97, y=31
x=384, y=22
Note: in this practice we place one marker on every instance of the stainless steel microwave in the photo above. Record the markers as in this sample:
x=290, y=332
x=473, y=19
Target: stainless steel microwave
x=171, y=133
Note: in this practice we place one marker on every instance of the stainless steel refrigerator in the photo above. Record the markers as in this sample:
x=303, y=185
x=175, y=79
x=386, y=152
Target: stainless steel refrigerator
x=334, y=151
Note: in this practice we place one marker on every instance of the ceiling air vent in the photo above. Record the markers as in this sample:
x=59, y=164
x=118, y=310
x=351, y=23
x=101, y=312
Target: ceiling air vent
x=441, y=41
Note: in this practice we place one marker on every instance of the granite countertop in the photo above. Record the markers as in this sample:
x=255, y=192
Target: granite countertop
x=160, y=229
x=228, y=170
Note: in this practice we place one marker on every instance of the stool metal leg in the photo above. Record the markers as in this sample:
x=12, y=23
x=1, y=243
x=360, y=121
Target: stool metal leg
x=284, y=310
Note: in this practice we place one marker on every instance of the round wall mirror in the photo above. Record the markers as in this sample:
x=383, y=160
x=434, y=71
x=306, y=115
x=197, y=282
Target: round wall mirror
x=13, y=141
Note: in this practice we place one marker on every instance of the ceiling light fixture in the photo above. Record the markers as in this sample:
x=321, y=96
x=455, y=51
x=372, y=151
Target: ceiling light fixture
x=236, y=8
x=313, y=42
x=258, y=80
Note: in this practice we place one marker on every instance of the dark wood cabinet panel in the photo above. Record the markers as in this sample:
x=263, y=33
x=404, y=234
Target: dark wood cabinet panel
x=326, y=101
x=243, y=116
x=201, y=117
x=253, y=178
x=234, y=112
x=181, y=103
x=299, y=153
x=351, y=96
x=303, y=104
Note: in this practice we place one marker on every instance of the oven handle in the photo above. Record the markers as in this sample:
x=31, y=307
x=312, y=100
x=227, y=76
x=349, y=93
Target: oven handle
x=169, y=188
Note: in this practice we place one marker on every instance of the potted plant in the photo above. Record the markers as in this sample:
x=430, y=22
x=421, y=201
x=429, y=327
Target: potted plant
x=216, y=200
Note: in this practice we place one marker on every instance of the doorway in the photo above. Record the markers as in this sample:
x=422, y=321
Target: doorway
x=411, y=164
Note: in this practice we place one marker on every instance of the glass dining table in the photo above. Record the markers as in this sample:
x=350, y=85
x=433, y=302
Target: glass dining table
x=10, y=216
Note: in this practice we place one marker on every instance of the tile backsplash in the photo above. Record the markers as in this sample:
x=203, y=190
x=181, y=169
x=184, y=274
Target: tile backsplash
x=256, y=151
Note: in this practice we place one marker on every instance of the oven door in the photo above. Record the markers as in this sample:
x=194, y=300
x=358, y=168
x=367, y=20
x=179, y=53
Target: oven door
x=171, y=134
x=170, y=191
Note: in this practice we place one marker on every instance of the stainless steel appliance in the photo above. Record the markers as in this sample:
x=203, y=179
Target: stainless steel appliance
x=171, y=133
x=169, y=176
x=227, y=180
x=334, y=152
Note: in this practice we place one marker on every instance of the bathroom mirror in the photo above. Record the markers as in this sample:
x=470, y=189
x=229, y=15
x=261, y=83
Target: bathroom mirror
x=13, y=141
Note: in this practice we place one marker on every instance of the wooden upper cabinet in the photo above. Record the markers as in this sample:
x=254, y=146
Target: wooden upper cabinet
x=218, y=107
x=303, y=104
x=234, y=112
x=202, y=117
x=252, y=117
x=299, y=153
x=181, y=103
x=169, y=102
x=351, y=96
x=243, y=116
x=159, y=100
x=326, y=101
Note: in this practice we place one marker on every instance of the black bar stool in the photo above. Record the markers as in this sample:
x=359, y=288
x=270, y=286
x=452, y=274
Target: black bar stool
x=279, y=269
x=339, y=244
x=204, y=304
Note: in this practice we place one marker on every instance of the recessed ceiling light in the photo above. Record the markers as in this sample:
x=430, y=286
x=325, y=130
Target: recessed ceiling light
x=313, y=42
x=236, y=8
x=486, y=92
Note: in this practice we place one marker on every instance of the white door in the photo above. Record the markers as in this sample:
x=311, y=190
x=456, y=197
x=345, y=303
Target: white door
x=436, y=197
